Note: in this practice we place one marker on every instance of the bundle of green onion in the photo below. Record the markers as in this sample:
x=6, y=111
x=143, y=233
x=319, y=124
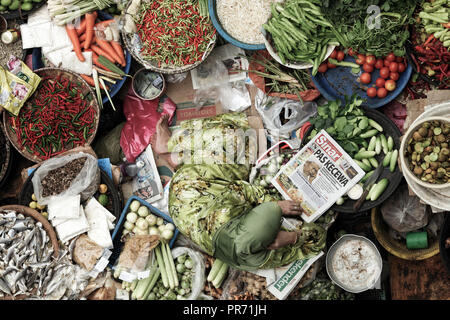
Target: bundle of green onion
x=65, y=11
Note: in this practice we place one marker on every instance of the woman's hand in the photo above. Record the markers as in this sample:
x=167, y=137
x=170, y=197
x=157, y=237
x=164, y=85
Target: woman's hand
x=289, y=207
x=283, y=239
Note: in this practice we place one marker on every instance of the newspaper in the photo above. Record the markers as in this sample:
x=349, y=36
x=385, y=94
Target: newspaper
x=204, y=74
x=317, y=176
x=147, y=183
x=281, y=281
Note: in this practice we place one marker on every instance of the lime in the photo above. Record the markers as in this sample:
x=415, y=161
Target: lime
x=27, y=6
x=2, y=8
x=103, y=199
x=37, y=1
x=6, y=3
x=14, y=5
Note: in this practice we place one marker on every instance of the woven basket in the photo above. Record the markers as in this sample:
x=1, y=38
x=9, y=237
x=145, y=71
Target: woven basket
x=47, y=227
x=53, y=73
x=398, y=248
x=153, y=65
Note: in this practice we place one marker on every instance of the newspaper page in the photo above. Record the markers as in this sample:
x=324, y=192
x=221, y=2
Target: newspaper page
x=147, y=183
x=204, y=74
x=281, y=281
x=317, y=176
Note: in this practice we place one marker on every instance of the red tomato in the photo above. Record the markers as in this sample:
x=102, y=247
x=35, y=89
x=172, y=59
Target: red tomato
x=386, y=62
x=333, y=54
x=381, y=93
x=394, y=76
x=379, y=64
x=401, y=67
x=371, y=60
x=399, y=59
x=351, y=52
x=390, y=57
x=323, y=67
x=380, y=82
x=393, y=67
x=367, y=67
x=361, y=59
x=330, y=65
x=390, y=85
x=366, y=78
x=340, y=55
x=371, y=92
x=384, y=72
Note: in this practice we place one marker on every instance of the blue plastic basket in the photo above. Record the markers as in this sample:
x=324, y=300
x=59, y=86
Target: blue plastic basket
x=120, y=225
x=340, y=82
x=38, y=63
x=226, y=35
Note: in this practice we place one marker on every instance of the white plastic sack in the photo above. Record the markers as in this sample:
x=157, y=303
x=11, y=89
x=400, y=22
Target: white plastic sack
x=198, y=281
x=271, y=108
x=85, y=183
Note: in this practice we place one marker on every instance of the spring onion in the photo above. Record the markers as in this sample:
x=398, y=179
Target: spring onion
x=65, y=11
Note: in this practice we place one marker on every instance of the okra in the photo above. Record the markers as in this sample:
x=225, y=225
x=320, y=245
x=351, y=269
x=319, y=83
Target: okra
x=375, y=125
x=378, y=145
x=372, y=143
x=364, y=154
x=393, y=160
x=369, y=134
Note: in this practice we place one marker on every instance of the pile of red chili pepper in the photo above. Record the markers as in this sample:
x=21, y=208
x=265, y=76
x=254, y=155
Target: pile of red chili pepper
x=57, y=118
x=173, y=32
x=433, y=59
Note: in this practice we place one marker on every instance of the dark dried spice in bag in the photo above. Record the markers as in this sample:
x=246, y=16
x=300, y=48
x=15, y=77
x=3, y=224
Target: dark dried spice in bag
x=59, y=180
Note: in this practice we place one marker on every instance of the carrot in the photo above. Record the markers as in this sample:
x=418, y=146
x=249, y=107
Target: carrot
x=82, y=27
x=118, y=48
x=90, y=22
x=72, y=33
x=95, y=60
x=102, y=52
x=90, y=81
x=83, y=37
x=109, y=49
x=104, y=23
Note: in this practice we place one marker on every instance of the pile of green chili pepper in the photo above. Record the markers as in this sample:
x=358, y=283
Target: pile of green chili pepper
x=57, y=118
x=174, y=33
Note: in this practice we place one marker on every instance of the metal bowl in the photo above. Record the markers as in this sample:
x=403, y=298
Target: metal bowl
x=332, y=252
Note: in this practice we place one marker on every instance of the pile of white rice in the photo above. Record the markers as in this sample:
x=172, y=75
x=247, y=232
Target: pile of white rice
x=243, y=19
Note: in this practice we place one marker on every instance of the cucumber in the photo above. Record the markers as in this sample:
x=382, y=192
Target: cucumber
x=366, y=162
x=369, y=134
x=393, y=160
x=372, y=143
x=379, y=189
x=378, y=145
x=367, y=176
x=390, y=143
x=369, y=195
x=363, y=124
x=373, y=162
x=375, y=125
x=384, y=143
x=365, y=154
x=362, y=165
x=387, y=159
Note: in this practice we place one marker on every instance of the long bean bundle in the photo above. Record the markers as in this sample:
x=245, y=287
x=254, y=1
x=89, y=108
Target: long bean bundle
x=174, y=33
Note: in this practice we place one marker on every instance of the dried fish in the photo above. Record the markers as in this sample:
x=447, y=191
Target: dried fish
x=5, y=287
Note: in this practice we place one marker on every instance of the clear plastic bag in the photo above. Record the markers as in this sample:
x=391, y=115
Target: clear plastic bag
x=176, y=78
x=198, y=281
x=85, y=183
x=405, y=213
x=273, y=110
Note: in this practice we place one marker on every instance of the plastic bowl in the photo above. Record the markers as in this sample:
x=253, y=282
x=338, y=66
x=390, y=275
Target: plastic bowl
x=330, y=256
x=405, y=163
x=224, y=34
